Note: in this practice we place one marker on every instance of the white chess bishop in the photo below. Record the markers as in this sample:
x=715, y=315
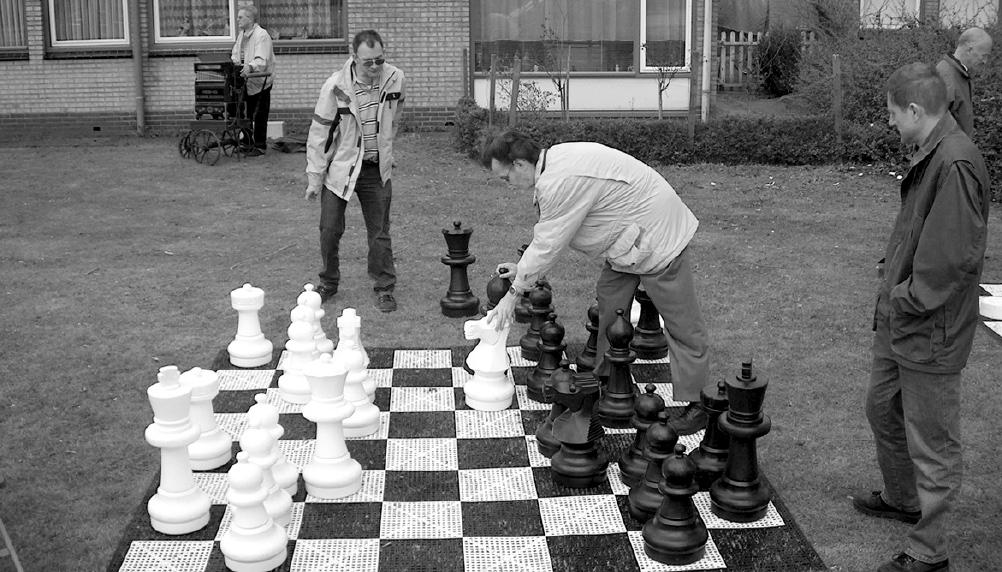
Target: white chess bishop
x=331, y=473
x=253, y=542
x=179, y=506
x=214, y=447
x=265, y=415
x=491, y=388
x=249, y=348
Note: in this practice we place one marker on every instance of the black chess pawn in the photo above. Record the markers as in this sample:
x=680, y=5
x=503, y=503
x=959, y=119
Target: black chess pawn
x=578, y=464
x=541, y=298
x=551, y=351
x=497, y=287
x=586, y=360
x=739, y=495
x=645, y=497
x=710, y=457
x=522, y=313
x=615, y=409
x=546, y=443
x=649, y=339
x=632, y=463
x=676, y=534
x=459, y=301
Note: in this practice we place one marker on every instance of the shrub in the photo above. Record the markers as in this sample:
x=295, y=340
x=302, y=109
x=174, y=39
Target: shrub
x=778, y=56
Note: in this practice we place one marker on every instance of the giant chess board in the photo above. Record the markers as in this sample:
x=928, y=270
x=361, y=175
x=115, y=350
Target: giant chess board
x=445, y=487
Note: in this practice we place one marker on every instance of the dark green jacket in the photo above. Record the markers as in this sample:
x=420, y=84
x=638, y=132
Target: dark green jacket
x=959, y=93
x=929, y=296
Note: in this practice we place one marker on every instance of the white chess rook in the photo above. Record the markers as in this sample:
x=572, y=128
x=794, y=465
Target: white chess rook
x=349, y=326
x=253, y=542
x=179, y=506
x=214, y=447
x=365, y=420
x=331, y=473
x=490, y=389
x=265, y=415
x=257, y=442
x=249, y=348
x=300, y=351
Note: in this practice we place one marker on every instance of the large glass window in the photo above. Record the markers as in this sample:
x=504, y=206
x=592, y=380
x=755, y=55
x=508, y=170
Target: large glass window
x=12, y=24
x=666, y=32
x=88, y=22
x=186, y=21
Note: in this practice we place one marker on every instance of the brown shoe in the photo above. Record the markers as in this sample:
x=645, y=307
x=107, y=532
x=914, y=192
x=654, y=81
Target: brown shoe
x=873, y=504
x=905, y=563
x=691, y=420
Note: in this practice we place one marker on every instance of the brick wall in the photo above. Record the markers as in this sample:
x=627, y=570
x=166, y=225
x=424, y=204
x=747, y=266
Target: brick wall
x=96, y=94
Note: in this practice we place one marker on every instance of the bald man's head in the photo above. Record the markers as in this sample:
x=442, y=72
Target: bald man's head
x=973, y=48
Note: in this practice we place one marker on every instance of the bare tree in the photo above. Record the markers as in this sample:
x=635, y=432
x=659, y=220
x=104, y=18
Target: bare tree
x=666, y=58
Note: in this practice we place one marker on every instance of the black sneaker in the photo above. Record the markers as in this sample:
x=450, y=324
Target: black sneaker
x=905, y=563
x=873, y=504
x=326, y=292
x=385, y=301
x=691, y=420
x=255, y=152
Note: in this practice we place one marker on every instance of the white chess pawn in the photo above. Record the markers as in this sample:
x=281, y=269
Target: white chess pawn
x=365, y=420
x=214, y=447
x=265, y=415
x=490, y=389
x=179, y=506
x=254, y=542
x=349, y=326
x=331, y=473
x=249, y=348
x=257, y=442
x=300, y=351
x=312, y=299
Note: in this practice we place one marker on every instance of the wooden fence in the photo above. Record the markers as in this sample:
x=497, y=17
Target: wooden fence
x=736, y=54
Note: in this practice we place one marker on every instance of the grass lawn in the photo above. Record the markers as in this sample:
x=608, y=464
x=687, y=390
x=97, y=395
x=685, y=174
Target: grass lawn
x=118, y=258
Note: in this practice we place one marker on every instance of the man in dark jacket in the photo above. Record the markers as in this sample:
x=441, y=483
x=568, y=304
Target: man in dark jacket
x=971, y=53
x=925, y=319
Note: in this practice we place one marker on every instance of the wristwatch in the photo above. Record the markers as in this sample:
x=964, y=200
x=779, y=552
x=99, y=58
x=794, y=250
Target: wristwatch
x=513, y=291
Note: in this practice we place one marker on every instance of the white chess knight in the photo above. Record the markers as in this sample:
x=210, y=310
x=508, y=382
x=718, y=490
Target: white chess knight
x=253, y=542
x=214, y=447
x=349, y=331
x=179, y=506
x=265, y=415
x=311, y=299
x=249, y=348
x=491, y=388
x=300, y=351
x=331, y=472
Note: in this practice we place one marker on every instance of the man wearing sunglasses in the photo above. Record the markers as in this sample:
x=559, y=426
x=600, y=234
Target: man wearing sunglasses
x=349, y=151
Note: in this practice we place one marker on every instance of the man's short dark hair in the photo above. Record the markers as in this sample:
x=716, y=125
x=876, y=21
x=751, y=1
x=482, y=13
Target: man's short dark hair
x=920, y=84
x=369, y=38
x=508, y=146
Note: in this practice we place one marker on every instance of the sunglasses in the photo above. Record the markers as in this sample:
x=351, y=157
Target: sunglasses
x=373, y=62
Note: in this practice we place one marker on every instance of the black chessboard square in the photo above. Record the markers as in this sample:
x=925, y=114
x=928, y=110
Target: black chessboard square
x=419, y=555
x=370, y=453
x=235, y=401
x=591, y=552
x=624, y=508
x=546, y=487
x=341, y=520
x=651, y=373
x=459, y=354
x=422, y=424
x=502, y=518
x=417, y=486
x=297, y=427
x=380, y=358
x=532, y=418
x=422, y=377
x=520, y=375
x=499, y=452
x=381, y=398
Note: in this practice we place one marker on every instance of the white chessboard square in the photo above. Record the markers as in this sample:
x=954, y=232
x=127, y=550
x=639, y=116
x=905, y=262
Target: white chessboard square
x=588, y=515
x=460, y=377
x=274, y=397
x=995, y=327
x=382, y=376
x=335, y=554
x=297, y=451
x=421, y=455
x=616, y=480
x=373, y=485
x=422, y=399
x=691, y=442
x=521, y=393
x=422, y=359
x=515, y=357
x=497, y=484
x=506, y=554
x=993, y=289
x=659, y=360
x=536, y=459
x=281, y=360
x=167, y=556
x=233, y=424
x=244, y=379
x=667, y=393
x=702, y=501
x=472, y=424
x=711, y=560
x=428, y=519
x=291, y=529
x=213, y=484
x=381, y=433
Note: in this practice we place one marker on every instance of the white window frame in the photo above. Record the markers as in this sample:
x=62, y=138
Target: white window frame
x=118, y=42
x=909, y=11
x=643, y=40
x=162, y=40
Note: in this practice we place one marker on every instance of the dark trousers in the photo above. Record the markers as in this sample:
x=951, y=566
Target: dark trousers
x=258, y=107
x=375, y=198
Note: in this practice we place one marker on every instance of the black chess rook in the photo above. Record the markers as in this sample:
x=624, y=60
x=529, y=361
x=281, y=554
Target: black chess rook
x=615, y=409
x=459, y=301
x=676, y=534
x=649, y=339
x=711, y=455
x=739, y=495
x=551, y=348
x=632, y=463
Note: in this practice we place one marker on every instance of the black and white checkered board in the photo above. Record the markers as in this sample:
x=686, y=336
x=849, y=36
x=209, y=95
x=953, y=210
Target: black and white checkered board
x=445, y=487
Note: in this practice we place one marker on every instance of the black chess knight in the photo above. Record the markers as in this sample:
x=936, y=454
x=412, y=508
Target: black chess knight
x=579, y=463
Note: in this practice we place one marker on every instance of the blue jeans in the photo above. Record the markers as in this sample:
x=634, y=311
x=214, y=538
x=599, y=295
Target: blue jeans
x=915, y=419
x=374, y=197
